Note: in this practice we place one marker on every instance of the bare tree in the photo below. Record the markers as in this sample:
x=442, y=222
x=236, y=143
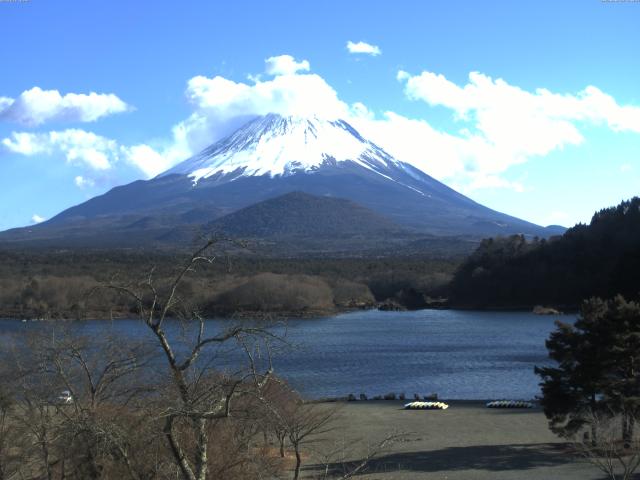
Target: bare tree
x=198, y=397
x=204, y=394
x=305, y=423
x=39, y=425
x=335, y=460
x=277, y=401
x=11, y=448
x=288, y=418
x=90, y=432
x=103, y=384
x=613, y=451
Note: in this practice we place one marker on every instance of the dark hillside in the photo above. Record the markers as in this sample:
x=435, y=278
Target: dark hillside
x=599, y=259
x=301, y=214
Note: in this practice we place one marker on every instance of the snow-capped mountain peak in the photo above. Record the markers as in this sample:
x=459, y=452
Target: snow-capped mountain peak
x=287, y=157
x=279, y=146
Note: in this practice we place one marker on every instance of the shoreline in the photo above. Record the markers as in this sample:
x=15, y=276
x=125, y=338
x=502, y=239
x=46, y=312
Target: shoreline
x=451, y=402
x=272, y=315
x=238, y=315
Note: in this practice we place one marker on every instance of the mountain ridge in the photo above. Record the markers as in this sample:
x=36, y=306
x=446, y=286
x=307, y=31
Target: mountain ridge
x=268, y=157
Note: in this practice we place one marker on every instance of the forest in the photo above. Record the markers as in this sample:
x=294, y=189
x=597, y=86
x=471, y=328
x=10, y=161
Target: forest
x=516, y=272
x=61, y=284
x=600, y=259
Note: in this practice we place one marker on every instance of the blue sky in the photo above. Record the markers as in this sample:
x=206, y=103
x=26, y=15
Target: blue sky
x=531, y=108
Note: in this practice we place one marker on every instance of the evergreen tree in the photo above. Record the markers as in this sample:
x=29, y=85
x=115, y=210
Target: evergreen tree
x=598, y=366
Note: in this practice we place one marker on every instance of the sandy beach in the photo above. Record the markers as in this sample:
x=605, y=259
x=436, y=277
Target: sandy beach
x=467, y=441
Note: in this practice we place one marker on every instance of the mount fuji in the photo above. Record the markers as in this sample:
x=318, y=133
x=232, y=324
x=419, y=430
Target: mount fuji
x=334, y=171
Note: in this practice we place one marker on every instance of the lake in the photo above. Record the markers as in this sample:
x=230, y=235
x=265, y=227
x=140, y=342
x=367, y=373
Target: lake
x=456, y=354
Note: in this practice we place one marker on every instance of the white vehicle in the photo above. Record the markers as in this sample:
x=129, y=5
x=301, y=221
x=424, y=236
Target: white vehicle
x=65, y=397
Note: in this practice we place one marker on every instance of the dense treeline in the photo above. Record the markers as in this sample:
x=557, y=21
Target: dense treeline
x=600, y=259
x=56, y=284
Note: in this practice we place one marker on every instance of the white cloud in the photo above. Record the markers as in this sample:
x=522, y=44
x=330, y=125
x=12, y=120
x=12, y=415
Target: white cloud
x=5, y=102
x=517, y=123
x=501, y=126
x=415, y=142
x=221, y=105
x=306, y=94
x=37, y=218
x=79, y=147
x=285, y=65
x=542, y=119
x=92, y=151
x=626, y=167
x=402, y=75
x=36, y=106
x=444, y=156
x=363, y=47
x=27, y=143
x=150, y=162
x=360, y=111
x=83, y=182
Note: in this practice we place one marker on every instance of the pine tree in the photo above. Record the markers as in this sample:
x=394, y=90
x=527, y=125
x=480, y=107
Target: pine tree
x=598, y=366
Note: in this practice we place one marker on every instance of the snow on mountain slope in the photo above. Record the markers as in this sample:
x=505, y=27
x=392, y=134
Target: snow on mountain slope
x=278, y=146
x=270, y=157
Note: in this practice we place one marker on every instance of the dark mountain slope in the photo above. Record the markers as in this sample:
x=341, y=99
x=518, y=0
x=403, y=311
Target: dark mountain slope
x=269, y=157
x=303, y=215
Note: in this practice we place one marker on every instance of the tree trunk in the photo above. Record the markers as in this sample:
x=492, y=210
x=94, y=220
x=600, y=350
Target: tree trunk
x=594, y=429
x=281, y=440
x=45, y=456
x=625, y=431
x=201, y=449
x=176, y=450
x=628, y=424
x=94, y=469
x=298, y=463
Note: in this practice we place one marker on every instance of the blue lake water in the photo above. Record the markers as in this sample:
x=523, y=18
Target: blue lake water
x=457, y=354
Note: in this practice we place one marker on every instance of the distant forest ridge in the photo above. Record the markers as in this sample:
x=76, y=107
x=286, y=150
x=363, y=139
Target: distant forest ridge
x=56, y=284
x=600, y=259
x=515, y=272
